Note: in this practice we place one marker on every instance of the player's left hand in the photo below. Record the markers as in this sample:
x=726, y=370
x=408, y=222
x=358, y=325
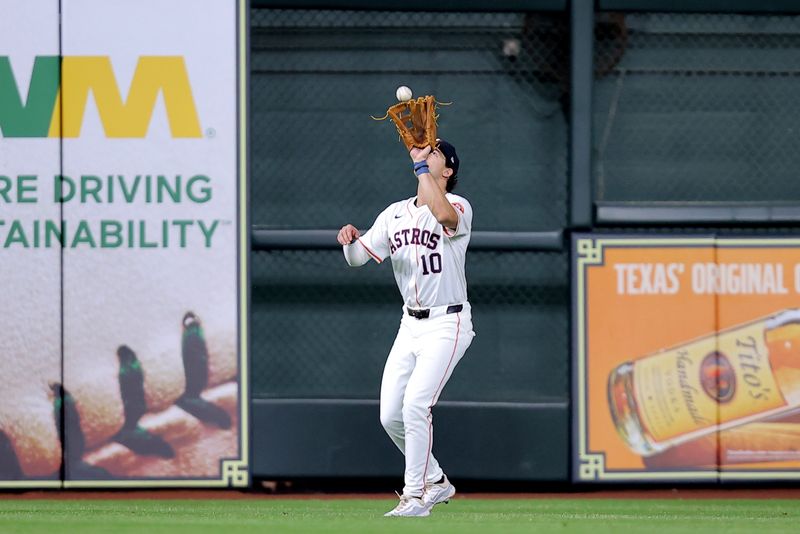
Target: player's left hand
x=420, y=154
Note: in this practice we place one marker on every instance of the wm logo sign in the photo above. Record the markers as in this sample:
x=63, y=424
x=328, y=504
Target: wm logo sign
x=54, y=109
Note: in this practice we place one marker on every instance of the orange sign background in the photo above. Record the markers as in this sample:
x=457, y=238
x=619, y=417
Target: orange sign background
x=632, y=311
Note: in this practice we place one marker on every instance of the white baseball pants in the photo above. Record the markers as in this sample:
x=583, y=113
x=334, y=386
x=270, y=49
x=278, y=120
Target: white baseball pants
x=423, y=357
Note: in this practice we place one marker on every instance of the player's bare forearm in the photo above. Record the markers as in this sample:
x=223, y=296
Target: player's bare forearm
x=430, y=194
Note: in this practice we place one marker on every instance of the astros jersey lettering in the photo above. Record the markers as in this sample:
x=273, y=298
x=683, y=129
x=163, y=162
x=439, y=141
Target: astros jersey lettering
x=427, y=259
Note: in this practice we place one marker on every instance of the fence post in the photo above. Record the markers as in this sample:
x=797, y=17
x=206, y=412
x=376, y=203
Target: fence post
x=580, y=145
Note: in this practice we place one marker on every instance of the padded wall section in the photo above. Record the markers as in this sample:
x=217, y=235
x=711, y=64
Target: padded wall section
x=30, y=255
x=151, y=254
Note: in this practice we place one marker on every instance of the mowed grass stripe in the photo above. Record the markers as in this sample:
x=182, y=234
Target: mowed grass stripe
x=464, y=516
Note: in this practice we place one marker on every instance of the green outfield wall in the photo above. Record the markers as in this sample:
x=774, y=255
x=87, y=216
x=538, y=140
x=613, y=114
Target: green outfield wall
x=177, y=311
x=645, y=118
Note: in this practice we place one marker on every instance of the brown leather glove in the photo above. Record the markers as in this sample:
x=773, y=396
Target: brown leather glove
x=415, y=121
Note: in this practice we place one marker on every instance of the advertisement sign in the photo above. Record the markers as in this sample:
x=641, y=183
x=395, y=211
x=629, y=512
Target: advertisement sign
x=141, y=213
x=30, y=277
x=687, y=354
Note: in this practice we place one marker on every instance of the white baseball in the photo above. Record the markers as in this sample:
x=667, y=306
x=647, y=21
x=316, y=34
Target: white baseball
x=403, y=93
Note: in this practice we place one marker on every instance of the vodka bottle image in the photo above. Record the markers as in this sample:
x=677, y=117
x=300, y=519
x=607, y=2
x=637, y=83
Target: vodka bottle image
x=749, y=372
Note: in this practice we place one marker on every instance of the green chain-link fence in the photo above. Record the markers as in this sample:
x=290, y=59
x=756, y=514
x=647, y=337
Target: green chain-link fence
x=696, y=107
x=322, y=329
x=320, y=161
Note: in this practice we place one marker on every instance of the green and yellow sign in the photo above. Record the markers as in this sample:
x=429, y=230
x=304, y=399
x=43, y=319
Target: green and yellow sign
x=123, y=244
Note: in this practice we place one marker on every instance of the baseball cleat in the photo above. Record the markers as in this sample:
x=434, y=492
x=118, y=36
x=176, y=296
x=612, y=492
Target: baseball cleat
x=409, y=507
x=437, y=493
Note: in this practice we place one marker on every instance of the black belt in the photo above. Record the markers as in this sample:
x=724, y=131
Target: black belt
x=424, y=314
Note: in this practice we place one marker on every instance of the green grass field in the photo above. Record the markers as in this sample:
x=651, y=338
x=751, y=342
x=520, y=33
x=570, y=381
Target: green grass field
x=464, y=516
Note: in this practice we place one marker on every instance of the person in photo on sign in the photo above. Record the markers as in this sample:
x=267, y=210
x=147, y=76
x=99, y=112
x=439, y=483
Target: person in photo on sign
x=426, y=237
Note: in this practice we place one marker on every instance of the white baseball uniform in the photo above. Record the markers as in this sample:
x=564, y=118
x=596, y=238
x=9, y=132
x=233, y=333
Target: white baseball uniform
x=428, y=264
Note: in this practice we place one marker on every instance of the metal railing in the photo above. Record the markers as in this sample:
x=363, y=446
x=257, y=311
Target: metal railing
x=266, y=239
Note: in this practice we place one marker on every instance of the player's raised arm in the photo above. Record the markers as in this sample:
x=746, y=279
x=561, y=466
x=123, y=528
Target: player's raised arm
x=430, y=168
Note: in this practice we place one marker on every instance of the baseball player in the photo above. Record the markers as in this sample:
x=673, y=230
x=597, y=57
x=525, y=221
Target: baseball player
x=426, y=237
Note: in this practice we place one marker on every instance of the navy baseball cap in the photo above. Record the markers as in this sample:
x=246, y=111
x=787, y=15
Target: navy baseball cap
x=450, y=156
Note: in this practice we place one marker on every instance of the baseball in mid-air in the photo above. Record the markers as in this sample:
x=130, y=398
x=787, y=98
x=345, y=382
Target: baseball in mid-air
x=403, y=93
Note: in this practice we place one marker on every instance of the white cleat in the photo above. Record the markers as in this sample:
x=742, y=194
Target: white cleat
x=436, y=493
x=409, y=507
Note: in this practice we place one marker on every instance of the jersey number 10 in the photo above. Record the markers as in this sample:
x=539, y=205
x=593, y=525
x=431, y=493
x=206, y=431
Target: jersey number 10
x=435, y=261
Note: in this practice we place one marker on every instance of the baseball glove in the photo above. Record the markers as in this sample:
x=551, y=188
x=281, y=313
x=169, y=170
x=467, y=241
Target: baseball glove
x=415, y=121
